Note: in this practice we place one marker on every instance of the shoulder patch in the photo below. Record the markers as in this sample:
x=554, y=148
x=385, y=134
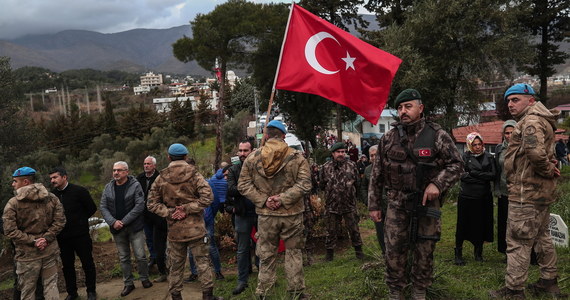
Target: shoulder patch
x=530, y=130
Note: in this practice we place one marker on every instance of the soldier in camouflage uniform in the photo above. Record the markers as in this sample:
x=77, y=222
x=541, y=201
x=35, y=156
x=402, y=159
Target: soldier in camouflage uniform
x=275, y=178
x=180, y=194
x=340, y=182
x=32, y=219
x=531, y=172
x=413, y=142
x=373, y=151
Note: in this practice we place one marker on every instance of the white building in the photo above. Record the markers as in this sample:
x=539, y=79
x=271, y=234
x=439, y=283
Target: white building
x=162, y=105
x=386, y=118
x=141, y=89
x=150, y=79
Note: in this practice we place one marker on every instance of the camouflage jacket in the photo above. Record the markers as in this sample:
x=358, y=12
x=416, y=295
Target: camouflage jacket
x=180, y=184
x=528, y=160
x=276, y=169
x=33, y=213
x=340, y=182
x=396, y=171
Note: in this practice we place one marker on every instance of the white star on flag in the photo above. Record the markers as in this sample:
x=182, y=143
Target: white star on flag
x=349, y=61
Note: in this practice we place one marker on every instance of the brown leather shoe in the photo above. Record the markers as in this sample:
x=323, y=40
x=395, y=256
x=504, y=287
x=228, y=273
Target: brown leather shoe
x=127, y=290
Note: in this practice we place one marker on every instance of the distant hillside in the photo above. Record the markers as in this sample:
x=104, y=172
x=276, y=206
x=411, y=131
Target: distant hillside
x=136, y=50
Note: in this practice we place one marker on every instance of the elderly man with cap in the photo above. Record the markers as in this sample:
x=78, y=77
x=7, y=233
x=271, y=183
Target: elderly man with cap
x=417, y=162
x=530, y=167
x=276, y=178
x=122, y=205
x=180, y=194
x=32, y=219
x=340, y=181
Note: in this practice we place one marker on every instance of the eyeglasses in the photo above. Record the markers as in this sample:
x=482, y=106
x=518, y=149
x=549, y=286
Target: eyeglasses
x=119, y=170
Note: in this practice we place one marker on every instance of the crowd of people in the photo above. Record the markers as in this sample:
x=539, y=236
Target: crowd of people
x=272, y=192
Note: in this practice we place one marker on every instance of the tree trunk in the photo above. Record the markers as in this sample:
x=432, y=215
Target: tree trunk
x=544, y=65
x=220, y=119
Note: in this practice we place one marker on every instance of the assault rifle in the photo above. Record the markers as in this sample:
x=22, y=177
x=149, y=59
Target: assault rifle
x=417, y=210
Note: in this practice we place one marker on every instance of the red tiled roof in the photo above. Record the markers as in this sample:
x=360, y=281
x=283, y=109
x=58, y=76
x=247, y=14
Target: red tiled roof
x=492, y=132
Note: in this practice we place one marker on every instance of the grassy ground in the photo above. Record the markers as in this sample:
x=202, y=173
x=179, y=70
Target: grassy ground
x=347, y=278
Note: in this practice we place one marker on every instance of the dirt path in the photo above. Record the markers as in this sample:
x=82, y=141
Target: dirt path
x=159, y=291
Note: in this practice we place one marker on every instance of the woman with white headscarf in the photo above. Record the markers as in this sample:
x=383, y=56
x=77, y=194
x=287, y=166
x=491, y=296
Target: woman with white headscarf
x=475, y=205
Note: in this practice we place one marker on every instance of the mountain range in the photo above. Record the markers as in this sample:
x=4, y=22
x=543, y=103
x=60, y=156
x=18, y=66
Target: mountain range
x=136, y=50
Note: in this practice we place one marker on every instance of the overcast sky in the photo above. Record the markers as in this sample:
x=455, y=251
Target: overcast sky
x=24, y=17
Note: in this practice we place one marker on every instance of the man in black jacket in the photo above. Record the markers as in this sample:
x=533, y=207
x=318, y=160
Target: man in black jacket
x=155, y=227
x=75, y=238
x=245, y=217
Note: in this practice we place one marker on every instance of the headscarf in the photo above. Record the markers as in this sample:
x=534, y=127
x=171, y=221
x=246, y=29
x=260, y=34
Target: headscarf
x=469, y=141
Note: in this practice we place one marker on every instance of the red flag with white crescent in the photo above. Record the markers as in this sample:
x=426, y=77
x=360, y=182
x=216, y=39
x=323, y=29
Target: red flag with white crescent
x=322, y=59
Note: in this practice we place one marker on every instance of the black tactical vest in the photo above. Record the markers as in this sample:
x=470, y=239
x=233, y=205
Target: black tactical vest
x=400, y=163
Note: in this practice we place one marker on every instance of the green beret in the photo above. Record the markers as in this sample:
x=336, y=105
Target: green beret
x=407, y=95
x=337, y=146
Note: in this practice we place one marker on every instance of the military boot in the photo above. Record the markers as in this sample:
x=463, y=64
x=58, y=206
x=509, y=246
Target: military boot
x=478, y=252
x=418, y=293
x=546, y=287
x=395, y=295
x=358, y=252
x=506, y=293
x=209, y=295
x=176, y=296
x=459, y=256
x=330, y=255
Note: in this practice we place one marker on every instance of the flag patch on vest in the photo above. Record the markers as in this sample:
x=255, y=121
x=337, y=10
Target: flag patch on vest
x=424, y=152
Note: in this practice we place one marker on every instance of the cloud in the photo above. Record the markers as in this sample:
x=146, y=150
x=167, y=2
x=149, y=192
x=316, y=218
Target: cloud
x=31, y=17
x=41, y=17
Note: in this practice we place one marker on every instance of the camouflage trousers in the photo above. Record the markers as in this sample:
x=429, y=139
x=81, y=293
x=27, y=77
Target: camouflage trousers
x=396, y=236
x=177, y=253
x=309, y=221
x=28, y=272
x=527, y=227
x=334, y=220
x=271, y=230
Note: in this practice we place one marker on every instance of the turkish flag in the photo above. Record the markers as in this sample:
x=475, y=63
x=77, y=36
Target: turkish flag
x=322, y=59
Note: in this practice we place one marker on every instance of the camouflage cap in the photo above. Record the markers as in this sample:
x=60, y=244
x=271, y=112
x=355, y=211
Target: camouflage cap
x=407, y=95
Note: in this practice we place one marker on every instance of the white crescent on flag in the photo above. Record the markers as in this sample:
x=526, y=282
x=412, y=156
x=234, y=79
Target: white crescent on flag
x=311, y=56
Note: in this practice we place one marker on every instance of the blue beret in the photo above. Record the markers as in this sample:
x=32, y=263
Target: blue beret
x=24, y=171
x=177, y=150
x=519, y=89
x=277, y=124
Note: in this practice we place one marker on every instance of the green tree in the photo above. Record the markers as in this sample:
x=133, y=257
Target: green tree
x=243, y=96
x=549, y=23
x=389, y=12
x=223, y=35
x=139, y=120
x=447, y=46
x=181, y=117
x=109, y=121
x=18, y=136
x=338, y=12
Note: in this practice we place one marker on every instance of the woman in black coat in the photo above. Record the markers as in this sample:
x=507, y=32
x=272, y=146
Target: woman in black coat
x=475, y=205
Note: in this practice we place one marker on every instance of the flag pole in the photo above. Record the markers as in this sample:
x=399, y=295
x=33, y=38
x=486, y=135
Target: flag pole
x=277, y=71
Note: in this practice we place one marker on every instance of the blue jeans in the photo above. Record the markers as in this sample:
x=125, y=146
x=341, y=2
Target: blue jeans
x=124, y=240
x=214, y=253
x=243, y=227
